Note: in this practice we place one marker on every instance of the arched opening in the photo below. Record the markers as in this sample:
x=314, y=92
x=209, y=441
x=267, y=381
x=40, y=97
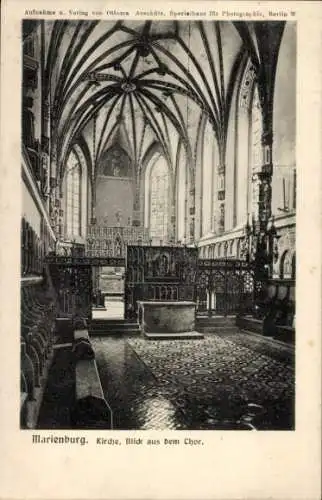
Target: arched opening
x=75, y=190
x=248, y=144
x=158, y=199
x=287, y=265
x=293, y=272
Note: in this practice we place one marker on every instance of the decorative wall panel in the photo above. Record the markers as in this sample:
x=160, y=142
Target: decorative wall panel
x=104, y=241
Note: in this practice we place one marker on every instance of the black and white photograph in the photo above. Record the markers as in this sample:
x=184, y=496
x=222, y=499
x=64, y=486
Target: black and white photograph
x=158, y=224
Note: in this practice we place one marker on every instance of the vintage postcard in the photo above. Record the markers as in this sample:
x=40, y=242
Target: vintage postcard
x=161, y=256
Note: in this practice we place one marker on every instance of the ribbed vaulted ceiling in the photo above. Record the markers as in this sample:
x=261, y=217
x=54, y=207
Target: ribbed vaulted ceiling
x=146, y=82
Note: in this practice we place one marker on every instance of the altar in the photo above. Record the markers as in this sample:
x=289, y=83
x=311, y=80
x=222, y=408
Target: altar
x=166, y=317
x=160, y=290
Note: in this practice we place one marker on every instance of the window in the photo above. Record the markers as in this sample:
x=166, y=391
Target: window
x=159, y=201
x=73, y=196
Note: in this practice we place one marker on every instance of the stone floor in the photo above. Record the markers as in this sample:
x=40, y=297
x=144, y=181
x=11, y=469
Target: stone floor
x=230, y=381
x=59, y=395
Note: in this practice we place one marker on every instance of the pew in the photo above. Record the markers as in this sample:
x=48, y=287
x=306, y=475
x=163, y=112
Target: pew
x=37, y=337
x=275, y=312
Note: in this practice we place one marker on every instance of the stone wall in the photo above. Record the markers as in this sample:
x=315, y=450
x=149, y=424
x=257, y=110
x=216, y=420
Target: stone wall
x=114, y=199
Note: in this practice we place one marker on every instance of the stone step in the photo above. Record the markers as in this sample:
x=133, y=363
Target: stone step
x=112, y=321
x=215, y=320
x=119, y=319
x=204, y=324
x=117, y=332
x=174, y=336
x=217, y=330
x=109, y=326
x=115, y=326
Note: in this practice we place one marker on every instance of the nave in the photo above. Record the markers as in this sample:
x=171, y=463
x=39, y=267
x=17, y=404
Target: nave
x=158, y=224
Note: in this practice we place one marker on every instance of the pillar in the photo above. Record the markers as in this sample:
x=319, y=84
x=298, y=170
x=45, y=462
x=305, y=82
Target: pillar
x=54, y=200
x=263, y=178
x=138, y=214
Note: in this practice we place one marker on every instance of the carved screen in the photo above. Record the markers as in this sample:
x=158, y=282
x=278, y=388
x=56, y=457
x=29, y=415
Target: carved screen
x=159, y=273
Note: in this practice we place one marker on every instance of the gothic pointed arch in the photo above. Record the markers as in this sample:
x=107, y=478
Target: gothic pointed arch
x=248, y=144
x=157, y=194
x=74, y=192
x=151, y=155
x=120, y=137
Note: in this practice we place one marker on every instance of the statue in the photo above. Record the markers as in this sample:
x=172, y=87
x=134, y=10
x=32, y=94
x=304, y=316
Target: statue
x=164, y=268
x=118, y=248
x=116, y=171
x=118, y=216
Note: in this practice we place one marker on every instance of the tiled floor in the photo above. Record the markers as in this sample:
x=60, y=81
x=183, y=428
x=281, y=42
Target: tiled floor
x=233, y=381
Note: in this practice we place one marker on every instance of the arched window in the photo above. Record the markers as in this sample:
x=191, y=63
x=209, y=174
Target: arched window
x=73, y=196
x=249, y=144
x=159, y=201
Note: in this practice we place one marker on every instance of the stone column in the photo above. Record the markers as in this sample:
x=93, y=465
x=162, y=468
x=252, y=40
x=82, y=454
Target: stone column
x=54, y=201
x=186, y=235
x=263, y=177
x=93, y=205
x=172, y=229
x=46, y=146
x=191, y=235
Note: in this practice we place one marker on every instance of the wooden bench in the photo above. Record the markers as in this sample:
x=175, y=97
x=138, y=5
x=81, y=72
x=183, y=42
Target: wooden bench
x=91, y=408
x=275, y=312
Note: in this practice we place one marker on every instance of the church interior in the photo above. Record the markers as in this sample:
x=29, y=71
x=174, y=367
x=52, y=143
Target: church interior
x=158, y=225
